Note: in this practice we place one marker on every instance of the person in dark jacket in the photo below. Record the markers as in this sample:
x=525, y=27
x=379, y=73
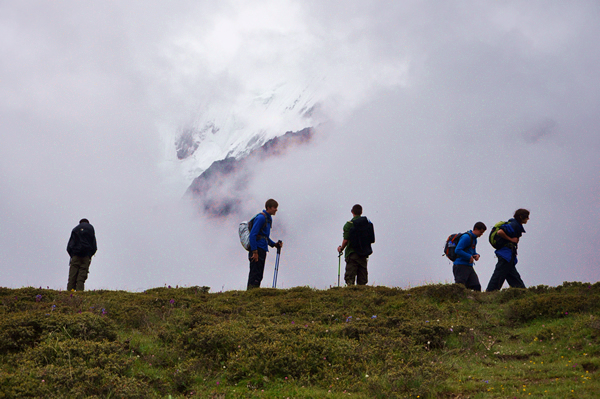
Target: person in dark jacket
x=506, y=269
x=81, y=248
x=466, y=255
x=260, y=243
x=358, y=235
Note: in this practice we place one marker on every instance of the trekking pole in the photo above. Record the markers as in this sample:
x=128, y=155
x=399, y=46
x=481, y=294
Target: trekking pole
x=276, y=267
x=339, y=267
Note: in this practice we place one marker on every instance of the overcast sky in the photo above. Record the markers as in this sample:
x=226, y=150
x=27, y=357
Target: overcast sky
x=439, y=115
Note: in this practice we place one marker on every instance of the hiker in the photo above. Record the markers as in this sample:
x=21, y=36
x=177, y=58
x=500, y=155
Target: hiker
x=358, y=237
x=466, y=255
x=508, y=238
x=260, y=243
x=81, y=248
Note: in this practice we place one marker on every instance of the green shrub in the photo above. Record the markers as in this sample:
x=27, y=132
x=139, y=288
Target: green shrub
x=72, y=368
x=22, y=330
x=579, y=287
x=214, y=343
x=300, y=356
x=443, y=292
x=510, y=294
x=549, y=305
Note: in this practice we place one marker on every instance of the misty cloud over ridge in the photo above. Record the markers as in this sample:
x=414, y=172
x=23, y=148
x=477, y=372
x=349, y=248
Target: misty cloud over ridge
x=439, y=115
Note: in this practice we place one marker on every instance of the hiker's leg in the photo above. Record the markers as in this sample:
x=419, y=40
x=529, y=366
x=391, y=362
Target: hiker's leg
x=473, y=280
x=499, y=275
x=84, y=269
x=351, y=269
x=513, y=278
x=73, y=271
x=461, y=274
x=256, y=269
x=362, y=275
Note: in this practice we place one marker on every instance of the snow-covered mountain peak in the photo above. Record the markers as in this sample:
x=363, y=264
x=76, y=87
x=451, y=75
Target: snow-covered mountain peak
x=235, y=129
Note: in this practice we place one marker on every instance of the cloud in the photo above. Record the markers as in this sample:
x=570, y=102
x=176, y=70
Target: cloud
x=440, y=115
x=542, y=130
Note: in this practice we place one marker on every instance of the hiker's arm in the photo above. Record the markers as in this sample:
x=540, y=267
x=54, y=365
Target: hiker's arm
x=502, y=234
x=341, y=247
x=345, y=236
x=463, y=243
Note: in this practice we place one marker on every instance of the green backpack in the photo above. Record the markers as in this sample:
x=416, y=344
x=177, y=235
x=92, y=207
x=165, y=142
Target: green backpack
x=497, y=242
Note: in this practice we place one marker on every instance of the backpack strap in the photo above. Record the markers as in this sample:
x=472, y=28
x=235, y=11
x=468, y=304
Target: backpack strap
x=472, y=236
x=258, y=236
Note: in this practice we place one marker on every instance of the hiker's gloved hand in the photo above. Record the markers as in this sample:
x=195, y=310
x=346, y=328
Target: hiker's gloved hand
x=279, y=244
x=476, y=256
x=254, y=257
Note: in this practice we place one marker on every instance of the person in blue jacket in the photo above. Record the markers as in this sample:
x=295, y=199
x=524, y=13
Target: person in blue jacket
x=466, y=255
x=260, y=243
x=506, y=269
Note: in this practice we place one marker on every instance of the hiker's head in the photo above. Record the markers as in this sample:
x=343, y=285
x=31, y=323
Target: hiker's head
x=84, y=221
x=479, y=229
x=271, y=206
x=521, y=215
x=356, y=210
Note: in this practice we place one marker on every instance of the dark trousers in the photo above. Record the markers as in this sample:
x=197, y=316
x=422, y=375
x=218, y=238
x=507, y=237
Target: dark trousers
x=465, y=274
x=356, y=269
x=79, y=267
x=505, y=271
x=257, y=269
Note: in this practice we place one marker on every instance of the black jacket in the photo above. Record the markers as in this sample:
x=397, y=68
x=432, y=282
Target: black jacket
x=82, y=241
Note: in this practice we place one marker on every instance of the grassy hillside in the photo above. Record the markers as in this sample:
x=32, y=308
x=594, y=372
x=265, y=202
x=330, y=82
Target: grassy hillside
x=435, y=341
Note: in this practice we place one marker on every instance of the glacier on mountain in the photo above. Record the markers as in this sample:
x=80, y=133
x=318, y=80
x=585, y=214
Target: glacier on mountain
x=218, y=142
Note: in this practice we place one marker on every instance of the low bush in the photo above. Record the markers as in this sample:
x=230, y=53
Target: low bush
x=19, y=331
x=72, y=368
x=548, y=306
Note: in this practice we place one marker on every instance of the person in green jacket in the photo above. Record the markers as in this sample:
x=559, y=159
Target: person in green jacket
x=358, y=237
